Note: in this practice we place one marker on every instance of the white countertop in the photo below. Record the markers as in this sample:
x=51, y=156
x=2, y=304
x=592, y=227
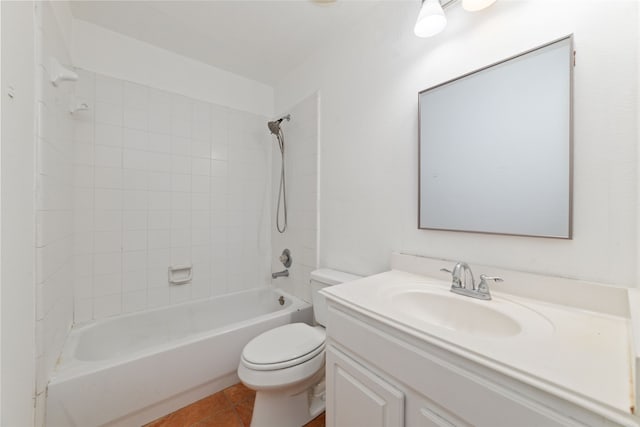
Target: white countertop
x=583, y=356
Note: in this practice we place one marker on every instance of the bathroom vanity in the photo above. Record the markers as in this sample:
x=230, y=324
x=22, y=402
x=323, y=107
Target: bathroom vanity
x=404, y=351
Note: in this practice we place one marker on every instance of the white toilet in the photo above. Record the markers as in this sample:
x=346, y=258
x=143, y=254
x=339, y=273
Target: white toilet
x=285, y=366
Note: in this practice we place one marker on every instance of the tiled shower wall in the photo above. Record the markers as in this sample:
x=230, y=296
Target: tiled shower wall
x=160, y=180
x=54, y=202
x=301, y=166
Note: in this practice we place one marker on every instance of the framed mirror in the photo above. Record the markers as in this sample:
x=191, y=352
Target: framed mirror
x=495, y=147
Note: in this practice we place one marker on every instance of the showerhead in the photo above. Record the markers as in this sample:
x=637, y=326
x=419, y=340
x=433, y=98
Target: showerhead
x=274, y=126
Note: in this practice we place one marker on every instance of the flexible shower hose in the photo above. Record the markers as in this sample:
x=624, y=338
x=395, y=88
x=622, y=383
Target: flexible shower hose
x=282, y=191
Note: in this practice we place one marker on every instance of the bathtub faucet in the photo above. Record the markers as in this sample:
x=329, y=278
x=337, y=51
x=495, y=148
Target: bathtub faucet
x=283, y=273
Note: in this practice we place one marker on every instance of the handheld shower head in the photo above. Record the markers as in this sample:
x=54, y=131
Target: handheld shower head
x=274, y=126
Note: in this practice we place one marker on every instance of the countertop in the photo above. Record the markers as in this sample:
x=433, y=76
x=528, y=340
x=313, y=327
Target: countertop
x=582, y=356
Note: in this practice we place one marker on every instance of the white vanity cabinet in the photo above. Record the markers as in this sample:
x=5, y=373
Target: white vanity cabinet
x=360, y=397
x=379, y=374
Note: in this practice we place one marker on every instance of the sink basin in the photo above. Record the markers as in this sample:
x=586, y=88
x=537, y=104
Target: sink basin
x=496, y=318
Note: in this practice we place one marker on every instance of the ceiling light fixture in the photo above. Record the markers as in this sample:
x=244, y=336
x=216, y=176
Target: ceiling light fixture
x=432, y=20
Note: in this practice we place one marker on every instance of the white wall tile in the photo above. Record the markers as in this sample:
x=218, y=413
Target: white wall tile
x=180, y=293
x=159, y=219
x=181, y=238
x=134, y=301
x=107, y=241
x=180, y=219
x=83, y=153
x=180, y=146
x=200, y=184
x=110, y=157
x=83, y=132
x=159, y=201
x=107, y=178
x=159, y=258
x=158, y=297
x=181, y=255
x=134, y=159
x=133, y=179
x=200, y=219
x=159, y=239
x=181, y=164
x=107, y=220
x=107, y=284
x=105, y=306
x=160, y=143
x=134, y=220
x=218, y=168
x=181, y=182
x=107, y=199
x=134, y=260
x=108, y=89
x=200, y=148
x=135, y=139
x=159, y=162
x=83, y=176
x=108, y=135
x=200, y=166
x=148, y=195
x=159, y=181
x=135, y=95
x=83, y=310
x=135, y=200
x=160, y=118
x=134, y=240
x=107, y=113
x=180, y=201
x=135, y=280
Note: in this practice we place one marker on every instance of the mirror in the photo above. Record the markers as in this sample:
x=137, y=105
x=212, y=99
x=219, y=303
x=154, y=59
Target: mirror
x=495, y=147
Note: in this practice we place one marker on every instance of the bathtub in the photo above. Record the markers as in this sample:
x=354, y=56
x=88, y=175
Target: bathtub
x=131, y=369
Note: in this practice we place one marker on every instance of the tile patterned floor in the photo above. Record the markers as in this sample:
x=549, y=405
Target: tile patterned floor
x=231, y=407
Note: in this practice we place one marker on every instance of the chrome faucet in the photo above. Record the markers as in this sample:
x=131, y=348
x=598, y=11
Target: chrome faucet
x=283, y=273
x=460, y=283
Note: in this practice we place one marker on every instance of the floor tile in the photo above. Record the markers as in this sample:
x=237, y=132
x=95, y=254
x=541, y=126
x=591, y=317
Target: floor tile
x=231, y=407
x=239, y=393
x=224, y=418
x=245, y=411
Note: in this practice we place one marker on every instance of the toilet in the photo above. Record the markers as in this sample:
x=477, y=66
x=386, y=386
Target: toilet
x=285, y=365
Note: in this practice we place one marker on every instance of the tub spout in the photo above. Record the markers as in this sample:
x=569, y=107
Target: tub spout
x=283, y=273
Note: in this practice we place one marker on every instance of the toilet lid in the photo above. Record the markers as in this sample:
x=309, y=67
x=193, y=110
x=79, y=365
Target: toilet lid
x=283, y=344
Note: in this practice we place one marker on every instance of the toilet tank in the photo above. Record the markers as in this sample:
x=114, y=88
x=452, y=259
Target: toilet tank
x=320, y=279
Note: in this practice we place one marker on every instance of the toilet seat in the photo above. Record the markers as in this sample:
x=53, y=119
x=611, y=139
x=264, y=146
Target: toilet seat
x=284, y=347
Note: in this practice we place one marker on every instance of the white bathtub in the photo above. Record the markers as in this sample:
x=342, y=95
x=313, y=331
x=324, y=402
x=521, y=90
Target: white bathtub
x=129, y=370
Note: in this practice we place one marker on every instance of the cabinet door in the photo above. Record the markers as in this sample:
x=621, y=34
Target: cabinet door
x=357, y=397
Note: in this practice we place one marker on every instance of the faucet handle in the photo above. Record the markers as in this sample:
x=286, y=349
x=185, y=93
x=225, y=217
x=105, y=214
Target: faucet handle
x=483, y=287
x=484, y=278
x=455, y=281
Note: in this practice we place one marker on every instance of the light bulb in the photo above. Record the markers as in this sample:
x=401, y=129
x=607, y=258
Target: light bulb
x=431, y=19
x=475, y=5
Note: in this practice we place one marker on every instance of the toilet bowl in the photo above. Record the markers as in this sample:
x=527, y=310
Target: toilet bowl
x=285, y=366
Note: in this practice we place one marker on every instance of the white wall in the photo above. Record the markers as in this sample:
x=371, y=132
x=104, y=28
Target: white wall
x=369, y=82
x=301, y=166
x=98, y=49
x=162, y=179
x=54, y=197
x=17, y=242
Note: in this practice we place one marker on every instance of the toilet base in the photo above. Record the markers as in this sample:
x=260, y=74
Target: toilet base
x=290, y=407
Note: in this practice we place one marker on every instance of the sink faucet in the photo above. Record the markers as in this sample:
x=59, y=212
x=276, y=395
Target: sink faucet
x=460, y=282
x=283, y=273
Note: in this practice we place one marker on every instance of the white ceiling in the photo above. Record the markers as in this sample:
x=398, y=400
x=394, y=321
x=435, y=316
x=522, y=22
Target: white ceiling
x=260, y=39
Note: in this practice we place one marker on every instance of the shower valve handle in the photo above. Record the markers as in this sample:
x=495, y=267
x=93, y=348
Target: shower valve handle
x=285, y=258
